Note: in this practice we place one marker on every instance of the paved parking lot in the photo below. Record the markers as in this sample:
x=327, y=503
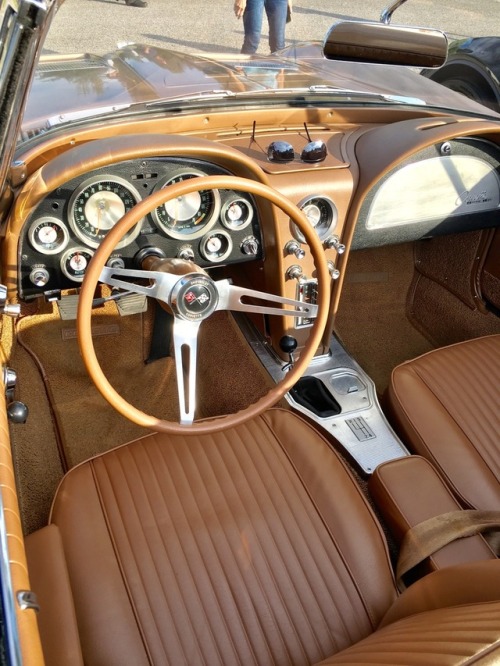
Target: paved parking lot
x=210, y=25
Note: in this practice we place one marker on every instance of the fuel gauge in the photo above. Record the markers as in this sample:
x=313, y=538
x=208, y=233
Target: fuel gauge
x=236, y=214
x=48, y=235
x=74, y=263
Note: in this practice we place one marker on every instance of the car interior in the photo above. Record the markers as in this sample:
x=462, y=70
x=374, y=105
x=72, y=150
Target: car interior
x=293, y=456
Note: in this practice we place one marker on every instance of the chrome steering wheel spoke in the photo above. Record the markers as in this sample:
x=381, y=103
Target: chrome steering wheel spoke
x=160, y=287
x=240, y=299
x=186, y=350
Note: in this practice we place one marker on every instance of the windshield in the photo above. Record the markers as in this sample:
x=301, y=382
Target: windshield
x=112, y=57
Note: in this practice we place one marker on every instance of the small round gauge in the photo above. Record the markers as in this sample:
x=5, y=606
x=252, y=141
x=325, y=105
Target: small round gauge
x=74, y=262
x=48, y=235
x=322, y=215
x=236, y=214
x=97, y=205
x=216, y=246
x=191, y=215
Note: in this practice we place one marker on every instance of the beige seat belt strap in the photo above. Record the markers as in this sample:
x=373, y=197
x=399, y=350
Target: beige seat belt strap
x=424, y=539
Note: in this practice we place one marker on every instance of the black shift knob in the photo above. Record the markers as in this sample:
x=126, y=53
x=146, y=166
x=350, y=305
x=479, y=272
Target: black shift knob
x=288, y=344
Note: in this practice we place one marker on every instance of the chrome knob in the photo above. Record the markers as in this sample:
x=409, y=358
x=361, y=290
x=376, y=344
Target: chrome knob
x=292, y=247
x=334, y=272
x=250, y=246
x=186, y=252
x=333, y=243
x=294, y=272
x=9, y=309
x=115, y=262
x=39, y=277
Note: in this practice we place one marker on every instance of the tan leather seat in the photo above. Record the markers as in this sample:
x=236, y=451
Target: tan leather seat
x=446, y=407
x=251, y=546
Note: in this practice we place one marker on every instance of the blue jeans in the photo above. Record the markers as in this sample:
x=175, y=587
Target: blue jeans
x=252, y=22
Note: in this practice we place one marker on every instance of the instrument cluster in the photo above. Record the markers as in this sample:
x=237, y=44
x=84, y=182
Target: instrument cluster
x=209, y=227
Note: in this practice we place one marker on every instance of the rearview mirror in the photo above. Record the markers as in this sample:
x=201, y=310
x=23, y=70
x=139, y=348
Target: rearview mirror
x=363, y=41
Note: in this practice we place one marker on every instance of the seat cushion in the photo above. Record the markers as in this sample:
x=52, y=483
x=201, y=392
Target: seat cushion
x=251, y=546
x=446, y=406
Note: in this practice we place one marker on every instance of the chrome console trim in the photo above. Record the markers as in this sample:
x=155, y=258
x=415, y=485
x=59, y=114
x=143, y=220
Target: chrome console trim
x=361, y=427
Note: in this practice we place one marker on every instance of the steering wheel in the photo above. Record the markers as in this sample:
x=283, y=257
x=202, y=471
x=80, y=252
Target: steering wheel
x=193, y=297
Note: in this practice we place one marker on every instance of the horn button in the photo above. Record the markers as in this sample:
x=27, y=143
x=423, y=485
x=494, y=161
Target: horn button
x=194, y=297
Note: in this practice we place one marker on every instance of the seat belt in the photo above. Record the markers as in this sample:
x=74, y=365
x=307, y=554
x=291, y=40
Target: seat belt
x=424, y=539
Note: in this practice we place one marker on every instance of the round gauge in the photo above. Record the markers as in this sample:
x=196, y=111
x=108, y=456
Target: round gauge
x=48, y=235
x=191, y=215
x=216, y=246
x=236, y=214
x=322, y=215
x=74, y=262
x=98, y=204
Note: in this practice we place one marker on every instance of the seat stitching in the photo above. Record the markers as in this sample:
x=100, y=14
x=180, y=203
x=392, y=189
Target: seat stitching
x=154, y=444
x=275, y=544
x=415, y=370
x=118, y=559
x=124, y=523
x=334, y=541
x=188, y=447
x=306, y=507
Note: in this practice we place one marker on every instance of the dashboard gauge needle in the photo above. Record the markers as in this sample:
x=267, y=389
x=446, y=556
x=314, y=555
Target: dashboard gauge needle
x=99, y=213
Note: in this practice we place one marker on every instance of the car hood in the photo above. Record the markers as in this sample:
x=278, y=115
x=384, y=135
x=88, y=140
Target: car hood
x=65, y=88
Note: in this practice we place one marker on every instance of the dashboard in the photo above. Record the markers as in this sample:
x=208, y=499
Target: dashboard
x=396, y=180
x=210, y=228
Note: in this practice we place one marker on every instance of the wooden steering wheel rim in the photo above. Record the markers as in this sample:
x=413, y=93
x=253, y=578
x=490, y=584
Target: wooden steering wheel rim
x=106, y=248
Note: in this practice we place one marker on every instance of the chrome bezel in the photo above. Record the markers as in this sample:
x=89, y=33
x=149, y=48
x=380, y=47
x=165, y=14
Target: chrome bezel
x=326, y=231
x=229, y=224
x=41, y=248
x=210, y=256
x=72, y=250
x=212, y=217
x=129, y=236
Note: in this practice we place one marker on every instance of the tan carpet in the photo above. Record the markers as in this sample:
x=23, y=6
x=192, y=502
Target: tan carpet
x=372, y=320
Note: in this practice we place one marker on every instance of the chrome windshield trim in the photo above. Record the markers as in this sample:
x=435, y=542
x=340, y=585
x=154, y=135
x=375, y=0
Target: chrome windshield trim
x=12, y=645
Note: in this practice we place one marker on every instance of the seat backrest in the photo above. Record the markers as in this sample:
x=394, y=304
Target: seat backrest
x=253, y=545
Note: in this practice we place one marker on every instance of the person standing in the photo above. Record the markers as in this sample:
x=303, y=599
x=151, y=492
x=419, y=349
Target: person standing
x=253, y=12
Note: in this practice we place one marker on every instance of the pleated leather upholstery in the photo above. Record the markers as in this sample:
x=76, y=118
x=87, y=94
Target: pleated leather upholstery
x=446, y=405
x=446, y=637
x=252, y=546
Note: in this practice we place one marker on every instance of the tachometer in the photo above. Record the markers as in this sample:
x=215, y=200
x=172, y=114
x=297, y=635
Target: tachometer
x=98, y=204
x=191, y=215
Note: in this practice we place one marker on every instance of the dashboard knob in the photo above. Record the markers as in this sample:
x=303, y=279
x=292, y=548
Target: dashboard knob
x=292, y=247
x=334, y=272
x=334, y=243
x=186, y=252
x=39, y=277
x=250, y=246
x=294, y=272
x=115, y=262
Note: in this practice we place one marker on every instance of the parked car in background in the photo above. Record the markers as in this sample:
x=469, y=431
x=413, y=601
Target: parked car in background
x=250, y=340
x=473, y=69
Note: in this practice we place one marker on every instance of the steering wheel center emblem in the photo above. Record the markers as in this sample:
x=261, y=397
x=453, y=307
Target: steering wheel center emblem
x=194, y=297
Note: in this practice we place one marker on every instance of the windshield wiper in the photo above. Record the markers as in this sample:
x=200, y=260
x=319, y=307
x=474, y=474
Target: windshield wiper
x=203, y=94
x=398, y=99
x=82, y=114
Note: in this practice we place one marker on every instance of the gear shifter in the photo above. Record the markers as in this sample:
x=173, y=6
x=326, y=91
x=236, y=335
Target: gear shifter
x=288, y=344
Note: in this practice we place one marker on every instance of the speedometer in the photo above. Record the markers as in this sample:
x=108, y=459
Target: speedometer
x=98, y=204
x=191, y=215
